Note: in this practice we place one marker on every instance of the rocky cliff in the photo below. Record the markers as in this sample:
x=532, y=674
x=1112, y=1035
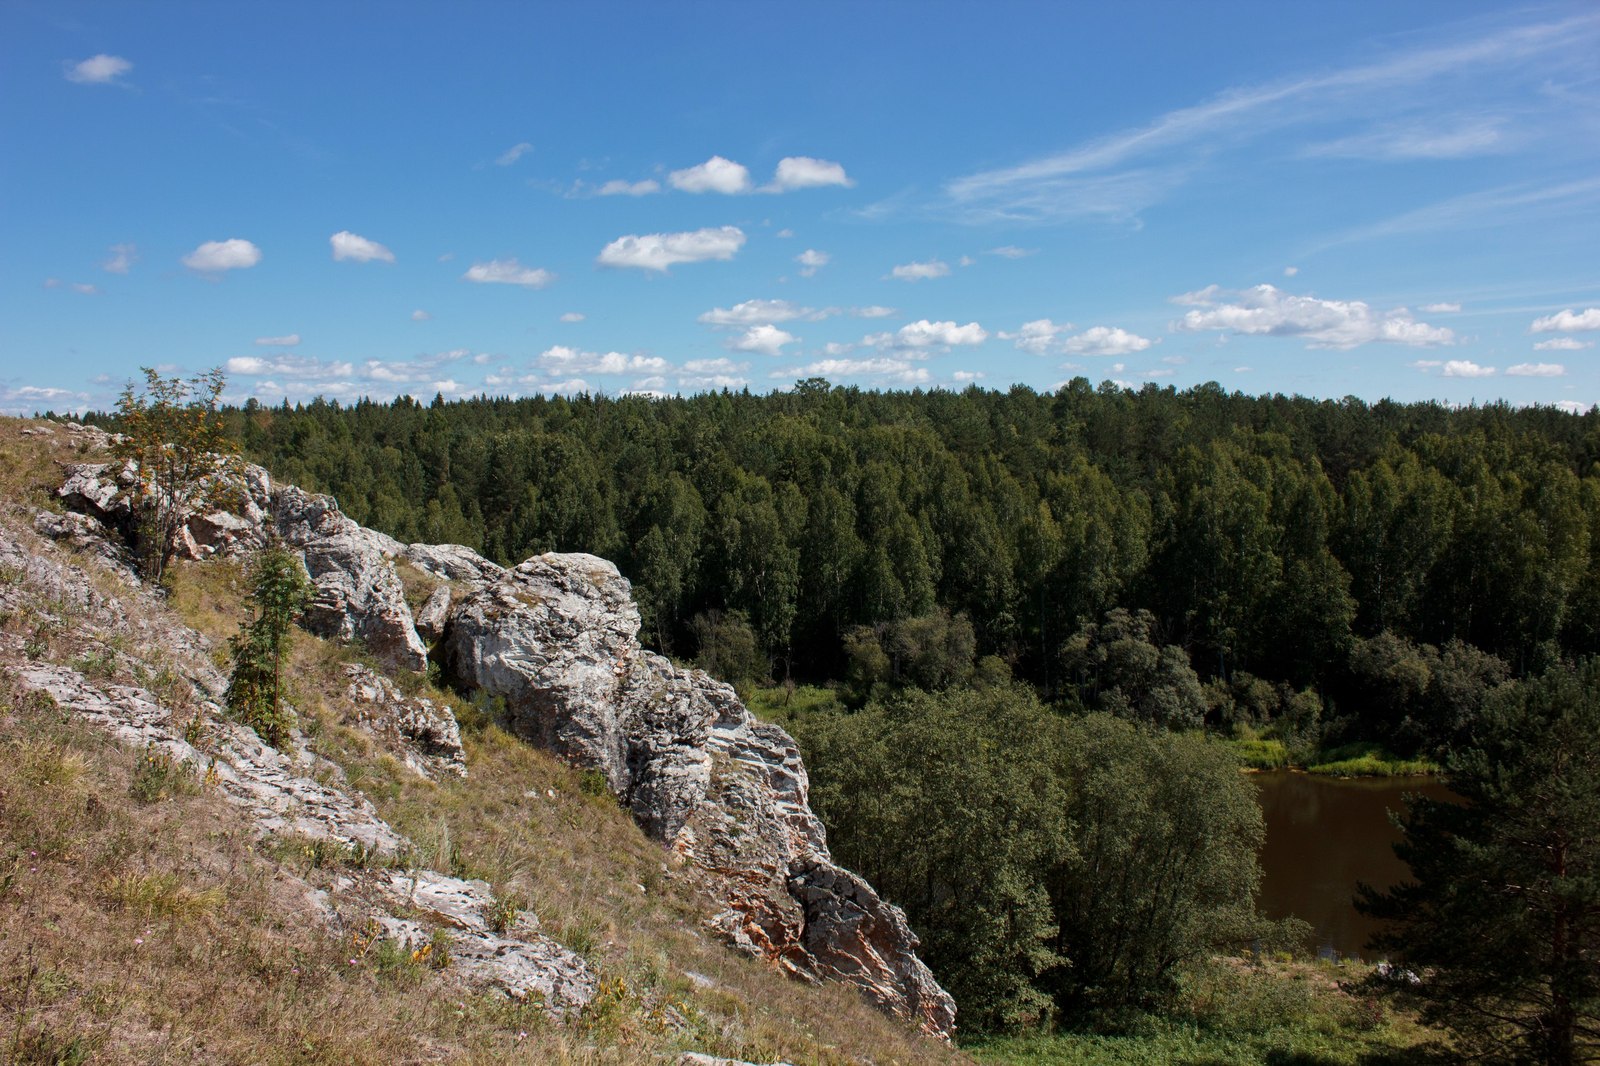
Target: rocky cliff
x=556, y=639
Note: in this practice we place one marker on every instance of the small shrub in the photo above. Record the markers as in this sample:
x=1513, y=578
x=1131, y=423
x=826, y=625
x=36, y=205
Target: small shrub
x=503, y=913
x=160, y=896
x=593, y=782
x=158, y=776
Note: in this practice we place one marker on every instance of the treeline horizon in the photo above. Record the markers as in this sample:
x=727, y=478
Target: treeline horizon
x=1272, y=538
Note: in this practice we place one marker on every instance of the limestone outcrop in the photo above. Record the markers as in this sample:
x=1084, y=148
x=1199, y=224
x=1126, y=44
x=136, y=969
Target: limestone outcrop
x=424, y=734
x=557, y=639
x=358, y=594
x=293, y=795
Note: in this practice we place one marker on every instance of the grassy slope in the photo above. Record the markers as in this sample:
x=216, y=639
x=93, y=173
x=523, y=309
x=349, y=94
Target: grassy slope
x=140, y=921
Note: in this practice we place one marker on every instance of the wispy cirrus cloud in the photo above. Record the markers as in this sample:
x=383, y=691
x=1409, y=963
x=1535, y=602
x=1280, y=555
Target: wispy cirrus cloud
x=1425, y=102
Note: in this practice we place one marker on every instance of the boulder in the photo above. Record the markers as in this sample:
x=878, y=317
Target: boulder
x=434, y=614
x=557, y=639
x=453, y=562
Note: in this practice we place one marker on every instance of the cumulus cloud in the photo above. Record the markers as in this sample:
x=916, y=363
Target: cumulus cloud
x=619, y=187
x=1036, y=337
x=288, y=340
x=98, y=70
x=803, y=172
x=811, y=261
x=350, y=247
x=423, y=371
x=968, y=375
x=121, y=259
x=1266, y=310
x=765, y=339
x=713, y=374
x=560, y=359
x=1105, y=340
x=1466, y=368
x=1536, y=370
x=920, y=271
x=1568, y=321
x=754, y=312
x=419, y=315
x=514, y=153
x=213, y=257
x=714, y=175
x=926, y=334
x=658, y=251
x=1574, y=407
x=572, y=316
x=508, y=272
x=1440, y=309
x=27, y=399
x=304, y=368
x=894, y=371
x=1562, y=344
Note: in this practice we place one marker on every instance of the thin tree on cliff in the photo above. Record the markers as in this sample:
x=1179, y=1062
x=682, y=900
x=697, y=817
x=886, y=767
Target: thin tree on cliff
x=1502, y=921
x=280, y=589
x=174, y=431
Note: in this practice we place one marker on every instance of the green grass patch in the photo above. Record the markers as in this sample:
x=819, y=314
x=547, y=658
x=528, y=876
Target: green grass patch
x=1260, y=754
x=781, y=704
x=1366, y=759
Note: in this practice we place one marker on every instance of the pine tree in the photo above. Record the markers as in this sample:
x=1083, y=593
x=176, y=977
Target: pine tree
x=1501, y=923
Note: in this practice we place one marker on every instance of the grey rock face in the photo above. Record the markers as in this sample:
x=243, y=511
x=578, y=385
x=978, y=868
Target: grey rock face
x=358, y=594
x=424, y=734
x=454, y=562
x=557, y=639
x=434, y=614
x=281, y=794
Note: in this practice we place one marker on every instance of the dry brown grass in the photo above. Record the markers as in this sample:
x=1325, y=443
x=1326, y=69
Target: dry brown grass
x=140, y=921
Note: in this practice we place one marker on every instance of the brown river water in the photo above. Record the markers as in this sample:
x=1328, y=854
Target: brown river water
x=1323, y=836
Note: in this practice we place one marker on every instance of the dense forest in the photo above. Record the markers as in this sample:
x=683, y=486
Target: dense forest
x=1357, y=570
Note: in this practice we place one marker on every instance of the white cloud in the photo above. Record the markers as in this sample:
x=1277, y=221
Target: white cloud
x=83, y=288
x=873, y=311
x=919, y=271
x=1536, y=370
x=966, y=261
x=560, y=359
x=811, y=261
x=658, y=251
x=765, y=339
x=572, y=316
x=514, y=153
x=1164, y=373
x=968, y=375
x=713, y=374
x=1440, y=309
x=98, y=70
x=1562, y=344
x=26, y=399
x=1466, y=368
x=1243, y=369
x=508, y=272
x=1269, y=311
x=925, y=334
x=288, y=340
x=421, y=371
x=754, y=312
x=896, y=371
x=419, y=315
x=350, y=247
x=305, y=368
x=803, y=172
x=785, y=233
x=1290, y=271
x=1426, y=364
x=1011, y=251
x=1568, y=321
x=1105, y=340
x=1476, y=136
x=620, y=187
x=1574, y=407
x=213, y=257
x=1175, y=360
x=122, y=258
x=714, y=175
x=1036, y=337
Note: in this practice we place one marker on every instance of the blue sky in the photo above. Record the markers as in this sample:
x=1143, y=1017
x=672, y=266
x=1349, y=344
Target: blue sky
x=1377, y=199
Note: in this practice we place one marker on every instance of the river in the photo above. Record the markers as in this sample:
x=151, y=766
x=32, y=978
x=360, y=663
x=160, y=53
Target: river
x=1324, y=835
